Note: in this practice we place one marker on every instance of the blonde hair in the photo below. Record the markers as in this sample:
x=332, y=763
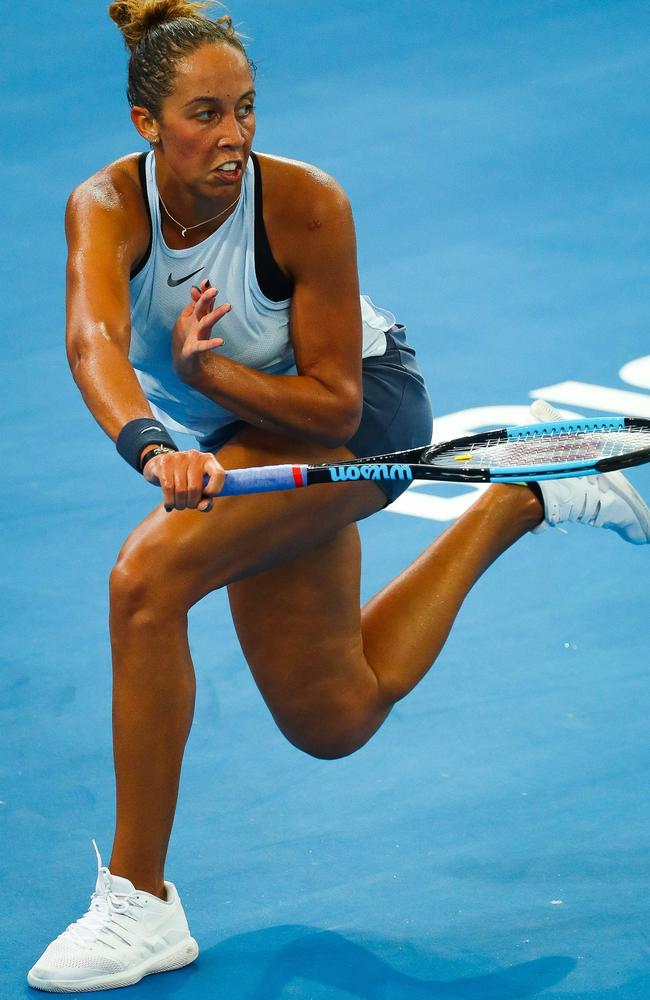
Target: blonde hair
x=160, y=32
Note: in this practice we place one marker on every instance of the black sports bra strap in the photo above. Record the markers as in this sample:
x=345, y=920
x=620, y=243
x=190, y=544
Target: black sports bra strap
x=142, y=170
x=272, y=280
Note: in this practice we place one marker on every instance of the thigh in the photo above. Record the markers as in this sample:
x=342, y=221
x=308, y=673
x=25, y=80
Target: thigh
x=299, y=626
x=192, y=553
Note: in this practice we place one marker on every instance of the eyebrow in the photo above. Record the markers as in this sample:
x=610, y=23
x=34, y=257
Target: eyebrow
x=216, y=100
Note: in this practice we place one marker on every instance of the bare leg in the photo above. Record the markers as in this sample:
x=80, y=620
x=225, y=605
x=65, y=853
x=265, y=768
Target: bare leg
x=167, y=565
x=153, y=705
x=297, y=557
x=329, y=672
x=413, y=614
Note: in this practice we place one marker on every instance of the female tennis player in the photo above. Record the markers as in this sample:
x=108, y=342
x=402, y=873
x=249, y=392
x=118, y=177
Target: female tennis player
x=214, y=290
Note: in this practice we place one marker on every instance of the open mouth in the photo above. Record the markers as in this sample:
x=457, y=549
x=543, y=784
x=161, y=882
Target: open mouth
x=230, y=170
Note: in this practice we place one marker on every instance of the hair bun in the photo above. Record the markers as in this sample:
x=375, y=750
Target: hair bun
x=135, y=18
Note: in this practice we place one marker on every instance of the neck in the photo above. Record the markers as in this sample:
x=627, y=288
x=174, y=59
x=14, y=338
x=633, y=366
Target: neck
x=186, y=209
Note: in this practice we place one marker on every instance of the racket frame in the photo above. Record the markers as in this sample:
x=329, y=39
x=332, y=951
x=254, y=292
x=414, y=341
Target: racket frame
x=414, y=463
x=422, y=470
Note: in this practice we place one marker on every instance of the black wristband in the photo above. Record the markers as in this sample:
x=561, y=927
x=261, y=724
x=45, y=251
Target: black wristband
x=137, y=434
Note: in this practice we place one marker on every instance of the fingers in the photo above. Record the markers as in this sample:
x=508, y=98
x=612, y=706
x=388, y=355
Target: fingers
x=207, y=321
x=200, y=346
x=202, y=339
x=181, y=476
x=198, y=290
x=203, y=300
x=203, y=297
x=202, y=305
x=216, y=477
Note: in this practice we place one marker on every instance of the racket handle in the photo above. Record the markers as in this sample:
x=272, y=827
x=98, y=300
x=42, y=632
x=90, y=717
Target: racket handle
x=263, y=479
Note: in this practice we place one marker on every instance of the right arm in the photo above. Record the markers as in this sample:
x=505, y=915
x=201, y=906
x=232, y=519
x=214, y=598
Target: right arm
x=107, y=232
x=98, y=327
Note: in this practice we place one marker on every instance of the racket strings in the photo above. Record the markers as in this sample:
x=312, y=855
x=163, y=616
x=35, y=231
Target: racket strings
x=544, y=448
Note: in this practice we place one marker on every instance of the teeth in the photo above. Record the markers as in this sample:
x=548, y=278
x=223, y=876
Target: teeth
x=228, y=166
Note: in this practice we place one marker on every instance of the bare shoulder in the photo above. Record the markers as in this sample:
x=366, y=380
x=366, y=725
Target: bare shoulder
x=301, y=202
x=299, y=191
x=111, y=200
x=115, y=186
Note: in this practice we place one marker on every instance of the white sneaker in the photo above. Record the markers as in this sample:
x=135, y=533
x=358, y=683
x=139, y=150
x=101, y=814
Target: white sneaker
x=601, y=501
x=125, y=935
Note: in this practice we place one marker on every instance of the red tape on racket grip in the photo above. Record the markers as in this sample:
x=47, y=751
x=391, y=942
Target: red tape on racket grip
x=298, y=475
x=263, y=479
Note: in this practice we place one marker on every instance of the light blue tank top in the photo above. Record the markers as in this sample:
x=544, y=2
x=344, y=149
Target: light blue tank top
x=255, y=331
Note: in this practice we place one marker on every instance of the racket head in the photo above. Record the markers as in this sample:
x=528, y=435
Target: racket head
x=553, y=450
x=523, y=453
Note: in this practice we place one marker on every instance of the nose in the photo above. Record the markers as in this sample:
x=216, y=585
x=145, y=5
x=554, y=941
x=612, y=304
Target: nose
x=232, y=132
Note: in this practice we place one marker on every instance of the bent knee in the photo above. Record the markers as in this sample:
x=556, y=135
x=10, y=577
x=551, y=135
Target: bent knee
x=335, y=730
x=327, y=749
x=145, y=583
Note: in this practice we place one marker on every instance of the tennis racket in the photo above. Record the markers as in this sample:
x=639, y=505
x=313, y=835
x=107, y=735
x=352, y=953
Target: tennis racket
x=528, y=453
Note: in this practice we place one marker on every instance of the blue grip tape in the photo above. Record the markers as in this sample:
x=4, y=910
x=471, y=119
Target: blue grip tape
x=265, y=479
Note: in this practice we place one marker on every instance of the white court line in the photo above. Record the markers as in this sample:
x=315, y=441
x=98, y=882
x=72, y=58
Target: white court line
x=596, y=397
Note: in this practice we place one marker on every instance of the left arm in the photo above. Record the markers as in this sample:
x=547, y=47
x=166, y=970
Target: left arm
x=323, y=402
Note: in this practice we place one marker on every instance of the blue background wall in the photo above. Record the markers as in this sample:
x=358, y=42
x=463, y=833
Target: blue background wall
x=491, y=841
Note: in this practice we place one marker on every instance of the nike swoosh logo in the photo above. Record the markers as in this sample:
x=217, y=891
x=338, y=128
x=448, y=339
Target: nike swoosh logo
x=172, y=282
x=145, y=429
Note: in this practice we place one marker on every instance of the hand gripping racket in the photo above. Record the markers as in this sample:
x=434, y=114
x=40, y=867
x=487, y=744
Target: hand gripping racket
x=528, y=453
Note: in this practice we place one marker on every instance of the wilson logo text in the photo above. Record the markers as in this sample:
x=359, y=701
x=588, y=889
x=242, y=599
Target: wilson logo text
x=342, y=473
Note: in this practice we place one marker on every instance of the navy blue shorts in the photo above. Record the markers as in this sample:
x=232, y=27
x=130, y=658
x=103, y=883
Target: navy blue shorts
x=396, y=411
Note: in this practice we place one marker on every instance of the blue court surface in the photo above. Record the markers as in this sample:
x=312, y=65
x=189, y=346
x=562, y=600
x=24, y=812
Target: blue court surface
x=491, y=841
